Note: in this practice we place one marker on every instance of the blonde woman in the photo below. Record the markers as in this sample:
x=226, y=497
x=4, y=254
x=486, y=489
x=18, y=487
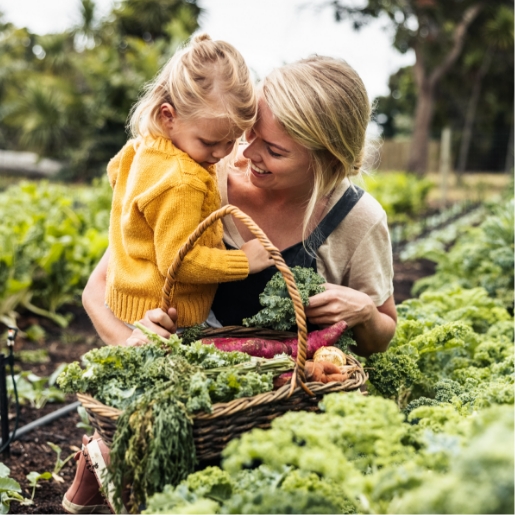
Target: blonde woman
x=293, y=179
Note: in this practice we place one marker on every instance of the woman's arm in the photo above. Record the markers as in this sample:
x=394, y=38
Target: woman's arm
x=111, y=330
x=373, y=326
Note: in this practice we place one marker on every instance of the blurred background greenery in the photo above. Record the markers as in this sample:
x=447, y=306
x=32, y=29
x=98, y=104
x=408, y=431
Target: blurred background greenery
x=66, y=95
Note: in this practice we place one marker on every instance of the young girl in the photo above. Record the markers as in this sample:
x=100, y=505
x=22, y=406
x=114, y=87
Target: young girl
x=164, y=184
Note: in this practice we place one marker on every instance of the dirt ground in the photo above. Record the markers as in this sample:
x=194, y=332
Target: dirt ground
x=31, y=452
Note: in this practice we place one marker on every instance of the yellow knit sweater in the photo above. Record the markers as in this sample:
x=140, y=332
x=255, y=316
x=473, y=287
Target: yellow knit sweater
x=160, y=195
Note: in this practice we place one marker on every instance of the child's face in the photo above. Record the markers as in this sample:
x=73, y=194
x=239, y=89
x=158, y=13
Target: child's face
x=205, y=140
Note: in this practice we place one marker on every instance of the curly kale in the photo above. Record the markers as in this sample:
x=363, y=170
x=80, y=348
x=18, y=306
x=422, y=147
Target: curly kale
x=207, y=488
x=250, y=491
x=395, y=371
x=118, y=375
x=192, y=334
x=480, y=477
x=271, y=500
x=278, y=311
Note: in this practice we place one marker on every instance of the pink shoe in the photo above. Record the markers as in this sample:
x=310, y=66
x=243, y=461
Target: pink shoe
x=84, y=495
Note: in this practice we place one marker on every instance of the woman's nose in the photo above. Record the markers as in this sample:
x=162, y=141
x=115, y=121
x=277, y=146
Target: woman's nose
x=250, y=150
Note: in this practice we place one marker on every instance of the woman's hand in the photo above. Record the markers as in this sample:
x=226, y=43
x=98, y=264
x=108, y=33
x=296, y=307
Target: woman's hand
x=373, y=326
x=339, y=303
x=164, y=324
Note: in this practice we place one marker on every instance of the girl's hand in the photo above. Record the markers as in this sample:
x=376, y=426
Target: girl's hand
x=339, y=303
x=157, y=321
x=258, y=257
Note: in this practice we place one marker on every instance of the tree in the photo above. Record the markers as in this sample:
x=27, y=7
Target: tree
x=498, y=36
x=475, y=100
x=436, y=31
x=67, y=95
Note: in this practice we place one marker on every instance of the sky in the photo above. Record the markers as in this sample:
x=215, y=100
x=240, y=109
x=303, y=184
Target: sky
x=268, y=33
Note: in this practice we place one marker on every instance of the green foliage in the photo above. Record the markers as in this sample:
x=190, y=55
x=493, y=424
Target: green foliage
x=32, y=357
x=482, y=256
x=10, y=490
x=402, y=195
x=70, y=100
x=457, y=334
x=34, y=390
x=358, y=456
x=59, y=463
x=271, y=500
x=51, y=238
x=278, y=311
x=158, y=386
x=480, y=478
x=34, y=478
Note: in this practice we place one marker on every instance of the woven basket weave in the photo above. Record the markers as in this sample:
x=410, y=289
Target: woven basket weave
x=212, y=431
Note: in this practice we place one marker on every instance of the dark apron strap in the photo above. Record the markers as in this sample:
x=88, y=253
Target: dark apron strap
x=240, y=299
x=328, y=224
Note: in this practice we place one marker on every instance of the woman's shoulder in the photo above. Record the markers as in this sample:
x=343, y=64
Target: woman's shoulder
x=367, y=211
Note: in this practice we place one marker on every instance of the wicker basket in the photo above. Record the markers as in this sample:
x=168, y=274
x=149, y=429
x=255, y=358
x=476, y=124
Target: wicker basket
x=212, y=431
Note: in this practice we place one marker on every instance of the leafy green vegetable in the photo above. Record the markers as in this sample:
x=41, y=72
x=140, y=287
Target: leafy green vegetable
x=483, y=256
x=50, y=239
x=278, y=311
x=10, y=490
x=159, y=385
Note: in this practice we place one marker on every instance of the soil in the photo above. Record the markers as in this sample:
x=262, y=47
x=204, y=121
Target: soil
x=31, y=453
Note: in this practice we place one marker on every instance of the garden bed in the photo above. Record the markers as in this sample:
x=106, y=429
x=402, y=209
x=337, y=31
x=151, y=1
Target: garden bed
x=31, y=452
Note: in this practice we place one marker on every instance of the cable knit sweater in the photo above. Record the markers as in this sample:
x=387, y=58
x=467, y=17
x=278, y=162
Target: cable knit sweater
x=160, y=195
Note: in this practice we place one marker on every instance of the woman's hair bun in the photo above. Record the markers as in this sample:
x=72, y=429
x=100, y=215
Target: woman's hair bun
x=201, y=37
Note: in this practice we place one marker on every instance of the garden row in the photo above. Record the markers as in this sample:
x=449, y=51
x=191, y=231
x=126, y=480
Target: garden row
x=435, y=435
x=433, y=424
x=52, y=235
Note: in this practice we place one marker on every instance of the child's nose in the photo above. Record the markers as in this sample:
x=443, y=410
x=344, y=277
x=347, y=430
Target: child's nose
x=220, y=152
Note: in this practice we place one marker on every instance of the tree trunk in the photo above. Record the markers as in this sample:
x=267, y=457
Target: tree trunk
x=426, y=83
x=417, y=161
x=471, y=114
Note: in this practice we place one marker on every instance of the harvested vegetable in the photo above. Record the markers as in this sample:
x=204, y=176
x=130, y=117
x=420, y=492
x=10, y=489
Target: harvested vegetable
x=159, y=386
x=319, y=339
x=331, y=354
x=253, y=346
x=278, y=311
x=265, y=348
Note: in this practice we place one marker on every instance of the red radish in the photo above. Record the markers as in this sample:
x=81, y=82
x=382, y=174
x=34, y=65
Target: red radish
x=269, y=348
x=252, y=346
x=282, y=379
x=318, y=339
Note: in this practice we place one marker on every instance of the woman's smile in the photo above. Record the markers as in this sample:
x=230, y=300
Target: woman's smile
x=258, y=171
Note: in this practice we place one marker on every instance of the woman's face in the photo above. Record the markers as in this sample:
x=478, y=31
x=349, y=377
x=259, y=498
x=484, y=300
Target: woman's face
x=276, y=161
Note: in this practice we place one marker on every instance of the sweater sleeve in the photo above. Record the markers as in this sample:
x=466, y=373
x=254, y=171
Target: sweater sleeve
x=173, y=216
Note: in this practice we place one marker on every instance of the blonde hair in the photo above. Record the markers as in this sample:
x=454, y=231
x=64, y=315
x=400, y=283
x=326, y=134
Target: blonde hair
x=322, y=103
x=204, y=79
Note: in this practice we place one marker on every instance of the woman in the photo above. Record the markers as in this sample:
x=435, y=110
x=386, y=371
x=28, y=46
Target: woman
x=292, y=179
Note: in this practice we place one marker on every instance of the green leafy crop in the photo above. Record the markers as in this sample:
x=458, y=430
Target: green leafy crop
x=278, y=311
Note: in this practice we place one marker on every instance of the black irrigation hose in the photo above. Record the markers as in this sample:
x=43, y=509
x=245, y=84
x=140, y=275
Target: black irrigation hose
x=50, y=417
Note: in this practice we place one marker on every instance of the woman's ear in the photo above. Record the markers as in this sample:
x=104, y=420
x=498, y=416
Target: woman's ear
x=167, y=115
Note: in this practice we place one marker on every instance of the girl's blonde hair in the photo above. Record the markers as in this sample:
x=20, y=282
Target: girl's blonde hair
x=322, y=104
x=204, y=79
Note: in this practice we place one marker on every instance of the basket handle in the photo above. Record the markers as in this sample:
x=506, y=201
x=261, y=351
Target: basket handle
x=300, y=316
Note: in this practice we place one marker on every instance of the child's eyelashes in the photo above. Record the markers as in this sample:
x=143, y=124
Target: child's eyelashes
x=209, y=143
x=215, y=143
